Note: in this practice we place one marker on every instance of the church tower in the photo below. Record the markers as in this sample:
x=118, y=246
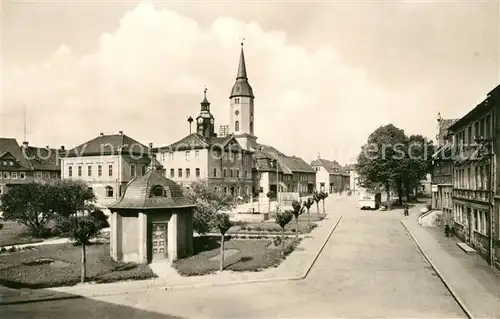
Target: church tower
x=205, y=121
x=242, y=108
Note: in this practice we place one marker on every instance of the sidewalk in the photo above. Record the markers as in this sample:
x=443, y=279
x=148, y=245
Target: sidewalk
x=295, y=267
x=472, y=282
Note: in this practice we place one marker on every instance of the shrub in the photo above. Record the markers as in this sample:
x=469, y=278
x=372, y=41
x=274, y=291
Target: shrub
x=1, y=226
x=277, y=241
x=258, y=228
x=12, y=249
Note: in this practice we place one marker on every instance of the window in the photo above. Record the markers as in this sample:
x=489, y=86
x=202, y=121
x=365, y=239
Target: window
x=251, y=127
x=197, y=154
x=237, y=100
x=225, y=173
x=188, y=172
x=476, y=220
x=237, y=173
x=109, y=191
x=215, y=172
x=171, y=155
x=89, y=170
x=246, y=159
x=172, y=173
x=231, y=172
x=237, y=125
x=157, y=191
x=79, y=171
x=246, y=173
x=143, y=170
x=11, y=163
x=225, y=190
x=6, y=175
x=179, y=172
x=163, y=156
x=22, y=175
x=247, y=190
x=47, y=175
x=99, y=170
x=70, y=172
x=13, y=175
x=487, y=127
x=110, y=170
x=187, y=155
x=215, y=188
x=197, y=173
x=132, y=170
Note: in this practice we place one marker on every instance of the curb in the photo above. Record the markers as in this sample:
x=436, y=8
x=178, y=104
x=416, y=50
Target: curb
x=180, y=287
x=457, y=298
x=295, y=278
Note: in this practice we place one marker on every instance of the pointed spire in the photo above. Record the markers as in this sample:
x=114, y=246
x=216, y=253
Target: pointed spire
x=242, y=69
x=205, y=105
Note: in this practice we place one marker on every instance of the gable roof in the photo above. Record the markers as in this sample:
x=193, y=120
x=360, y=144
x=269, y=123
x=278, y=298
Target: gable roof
x=109, y=145
x=43, y=158
x=296, y=164
x=265, y=155
x=10, y=145
x=332, y=167
x=196, y=141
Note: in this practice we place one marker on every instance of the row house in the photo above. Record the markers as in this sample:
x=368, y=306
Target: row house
x=107, y=164
x=294, y=174
x=331, y=176
x=442, y=169
x=475, y=205
x=25, y=164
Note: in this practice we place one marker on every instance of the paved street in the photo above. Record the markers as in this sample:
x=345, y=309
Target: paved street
x=369, y=268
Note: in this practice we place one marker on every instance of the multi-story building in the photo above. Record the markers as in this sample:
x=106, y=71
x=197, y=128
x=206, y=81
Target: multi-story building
x=353, y=177
x=294, y=174
x=25, y=164
x=475, y=206
x=442, y=170
x=107, y=163
x=331, y=177
x=233, y=162
x=220, y=161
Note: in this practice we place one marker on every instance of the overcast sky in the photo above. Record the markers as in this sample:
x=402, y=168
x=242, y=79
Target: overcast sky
x=324, y=75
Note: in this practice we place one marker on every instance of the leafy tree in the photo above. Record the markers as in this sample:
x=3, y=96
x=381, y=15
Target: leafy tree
x=317, y=198
x=282, y=219
x=379, y=162
x=418, y=163
x=30, y=205
x=307, y=204
x=70, y=197
x=323, y=196
x=270, y=195
x=223, y=224
x=82, y=229
x=297, y=210
x=209, y=203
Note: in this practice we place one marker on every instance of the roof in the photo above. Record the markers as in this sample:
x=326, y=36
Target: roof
x=109, y=145
x=241, y=87
x=43, y=159
x=9, y=145
x=491, y=99
x=444, y=125
x=265, y=155
x=197, y=141
x=332, y=167
x=139, y=194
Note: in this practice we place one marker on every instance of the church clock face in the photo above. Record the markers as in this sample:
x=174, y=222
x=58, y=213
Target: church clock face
x=237, y=112
x=200, y=120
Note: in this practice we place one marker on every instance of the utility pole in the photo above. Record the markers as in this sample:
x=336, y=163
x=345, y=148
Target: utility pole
x=277, y=182
x=190, y=121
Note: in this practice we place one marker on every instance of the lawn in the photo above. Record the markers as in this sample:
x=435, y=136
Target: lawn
x=14, y=234
x=271, y=226
x=59, y=265
x=241, y=255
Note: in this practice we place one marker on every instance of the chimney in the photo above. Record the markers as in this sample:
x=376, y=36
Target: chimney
x=151, y=157
x=47, y=147
x=120, y=132
x=25, y=144
x=62, y=148
x=101, y=134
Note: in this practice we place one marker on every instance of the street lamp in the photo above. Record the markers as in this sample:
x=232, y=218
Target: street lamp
x=484, y=143
x=277, y=182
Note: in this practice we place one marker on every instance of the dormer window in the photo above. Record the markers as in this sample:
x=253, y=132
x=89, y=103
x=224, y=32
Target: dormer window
x=157, y=191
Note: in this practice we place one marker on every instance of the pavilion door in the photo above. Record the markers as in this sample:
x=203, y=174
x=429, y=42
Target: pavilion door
x=159, y=241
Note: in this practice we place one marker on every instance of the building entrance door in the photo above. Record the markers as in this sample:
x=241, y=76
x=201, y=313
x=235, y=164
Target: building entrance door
x=159, y=241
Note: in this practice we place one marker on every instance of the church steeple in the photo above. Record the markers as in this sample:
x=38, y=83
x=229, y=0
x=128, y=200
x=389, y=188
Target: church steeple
x=241, y=87
x=205, y=120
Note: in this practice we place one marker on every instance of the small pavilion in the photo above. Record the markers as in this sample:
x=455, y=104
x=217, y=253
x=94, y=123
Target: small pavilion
x=151, y=221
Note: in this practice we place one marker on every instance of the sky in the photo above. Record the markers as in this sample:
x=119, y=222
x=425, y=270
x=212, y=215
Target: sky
x=325, y=74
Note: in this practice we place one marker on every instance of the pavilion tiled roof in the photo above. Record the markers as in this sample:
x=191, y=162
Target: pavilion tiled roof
x=139, y=193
